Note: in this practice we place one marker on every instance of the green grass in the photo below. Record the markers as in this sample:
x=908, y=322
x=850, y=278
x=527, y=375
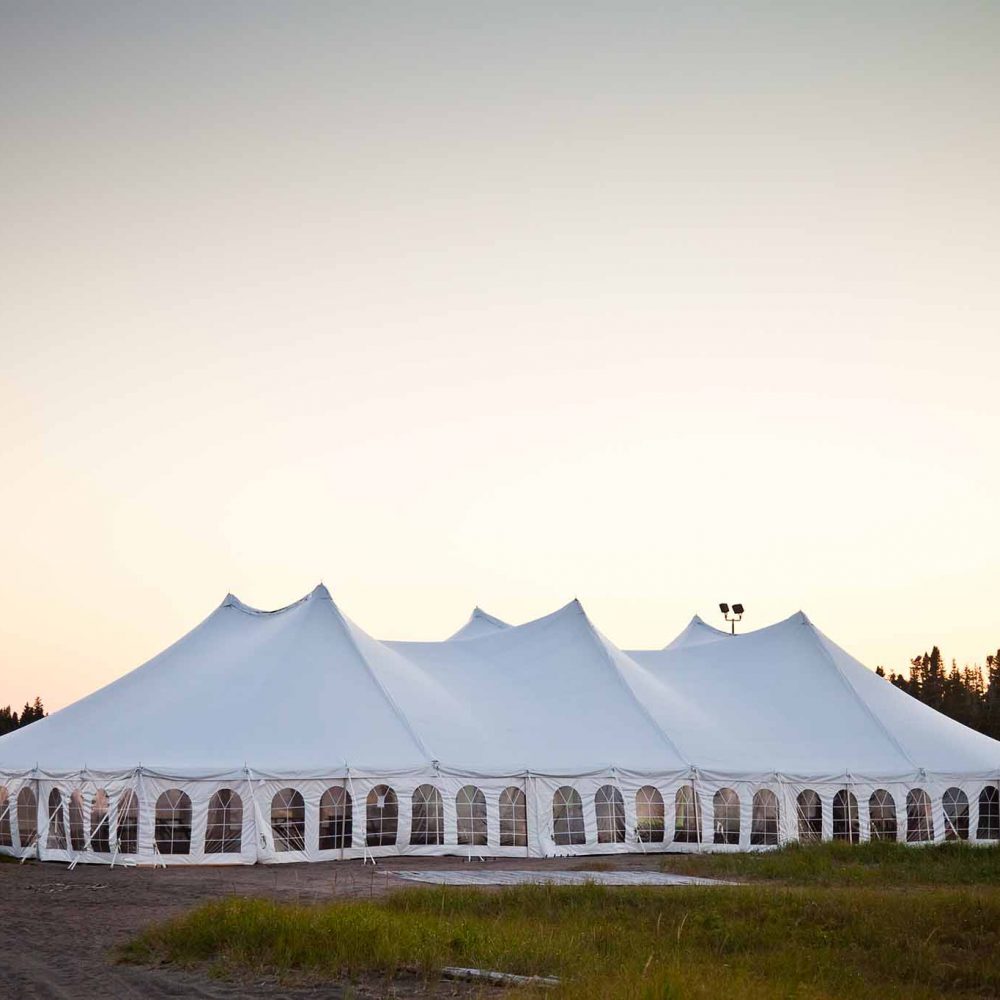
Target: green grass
x=758, y=941
x=878, y=863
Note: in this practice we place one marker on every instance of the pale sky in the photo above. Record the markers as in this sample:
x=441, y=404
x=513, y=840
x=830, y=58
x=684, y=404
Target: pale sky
x=652, y=304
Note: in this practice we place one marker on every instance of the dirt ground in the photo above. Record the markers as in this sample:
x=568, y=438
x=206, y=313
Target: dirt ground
x=59, y=928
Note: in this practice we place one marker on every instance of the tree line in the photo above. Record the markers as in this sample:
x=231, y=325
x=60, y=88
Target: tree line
x=967, y=694
x=9, y=721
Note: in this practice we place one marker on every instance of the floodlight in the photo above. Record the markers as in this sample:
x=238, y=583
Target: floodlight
x=736, y=616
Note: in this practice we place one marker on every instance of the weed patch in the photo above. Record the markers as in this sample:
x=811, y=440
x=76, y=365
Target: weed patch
x=750, y=941
x=876, y=863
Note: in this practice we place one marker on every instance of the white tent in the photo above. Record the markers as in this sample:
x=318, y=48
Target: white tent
x=293, y=735
x=479, y=623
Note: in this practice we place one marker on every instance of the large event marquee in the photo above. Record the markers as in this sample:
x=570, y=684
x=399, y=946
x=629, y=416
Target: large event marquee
x=292, y=735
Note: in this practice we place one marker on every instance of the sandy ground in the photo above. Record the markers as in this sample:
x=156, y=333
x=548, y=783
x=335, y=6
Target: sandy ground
x=59, y=928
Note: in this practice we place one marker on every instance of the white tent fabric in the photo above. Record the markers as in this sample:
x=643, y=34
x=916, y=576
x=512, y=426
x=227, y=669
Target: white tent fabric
x=294, y=735
x=695, y=633
x=479, y=623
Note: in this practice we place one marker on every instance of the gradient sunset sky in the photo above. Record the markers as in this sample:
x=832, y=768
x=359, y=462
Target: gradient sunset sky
x=652, y=304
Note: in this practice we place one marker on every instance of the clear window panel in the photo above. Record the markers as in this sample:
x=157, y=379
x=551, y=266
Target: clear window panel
x=650, y=822
x=956, y=814
x=846, y=824
x=172, y=822
x=100, y=822
x=56, y=839
x=809, y=807
x=882, y=815
x=989, y=814
x=687, y=816
x=919, y=818
x=336, y=820
x=470, y=808
x=288, y=820
x=6, y=838
x=513, y=818
x=764, y=819
x=77, y=834
x=567, y=817
x=426, y=816
x=382, y=817
x=609, y=807
x=224, y=825
x=127, y=827
x=726, y=819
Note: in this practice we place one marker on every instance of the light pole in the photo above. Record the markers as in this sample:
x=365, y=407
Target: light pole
x=737, y=614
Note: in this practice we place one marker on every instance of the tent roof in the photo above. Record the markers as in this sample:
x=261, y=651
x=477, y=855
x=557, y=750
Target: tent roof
x=479, y=623
x=786, y=698
x=695, y=633
x=304, y=690
x=282, y=690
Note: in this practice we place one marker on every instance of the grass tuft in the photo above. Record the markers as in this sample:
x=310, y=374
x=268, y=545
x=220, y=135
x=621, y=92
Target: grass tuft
x=875, y=863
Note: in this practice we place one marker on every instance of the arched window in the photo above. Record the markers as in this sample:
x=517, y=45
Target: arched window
x=567, y=817
x=172, y=822
x=919, y=818
x=56, y=839
x=687, y=816
x=27, y=817
x=336, y=819
x=956, y=814
x=224, y=827
x=77, y=837
x=470, y=809
x=810, y=810
x=610, y=808
x=288, y=820
x=764, y=820
x=846, y=825
x=726, y=806
x=100, y=840
x=882, y=815
x=427, y=816
x=513, y=818
x=5, y=838
x=127, y=825
x=382, y=818
x=989, y=814
x=649, y=815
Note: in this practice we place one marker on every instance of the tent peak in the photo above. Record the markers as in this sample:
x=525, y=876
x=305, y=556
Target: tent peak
x=320, y=592
x=480, y=623
x=478, y=612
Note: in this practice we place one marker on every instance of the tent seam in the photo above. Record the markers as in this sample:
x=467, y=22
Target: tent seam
x=646, y=714
x=407, y=725
x=857, y=696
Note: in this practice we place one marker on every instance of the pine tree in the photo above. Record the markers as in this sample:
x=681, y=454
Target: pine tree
x=8, y=720
x=991, y=699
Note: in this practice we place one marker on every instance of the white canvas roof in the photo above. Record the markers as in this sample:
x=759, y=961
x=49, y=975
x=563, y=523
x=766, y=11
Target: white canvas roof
x=695, y=633
x=787, y=699
x=303, y=690
x=479, y=623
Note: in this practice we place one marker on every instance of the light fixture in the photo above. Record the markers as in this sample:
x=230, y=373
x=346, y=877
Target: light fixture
x=737, y=614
